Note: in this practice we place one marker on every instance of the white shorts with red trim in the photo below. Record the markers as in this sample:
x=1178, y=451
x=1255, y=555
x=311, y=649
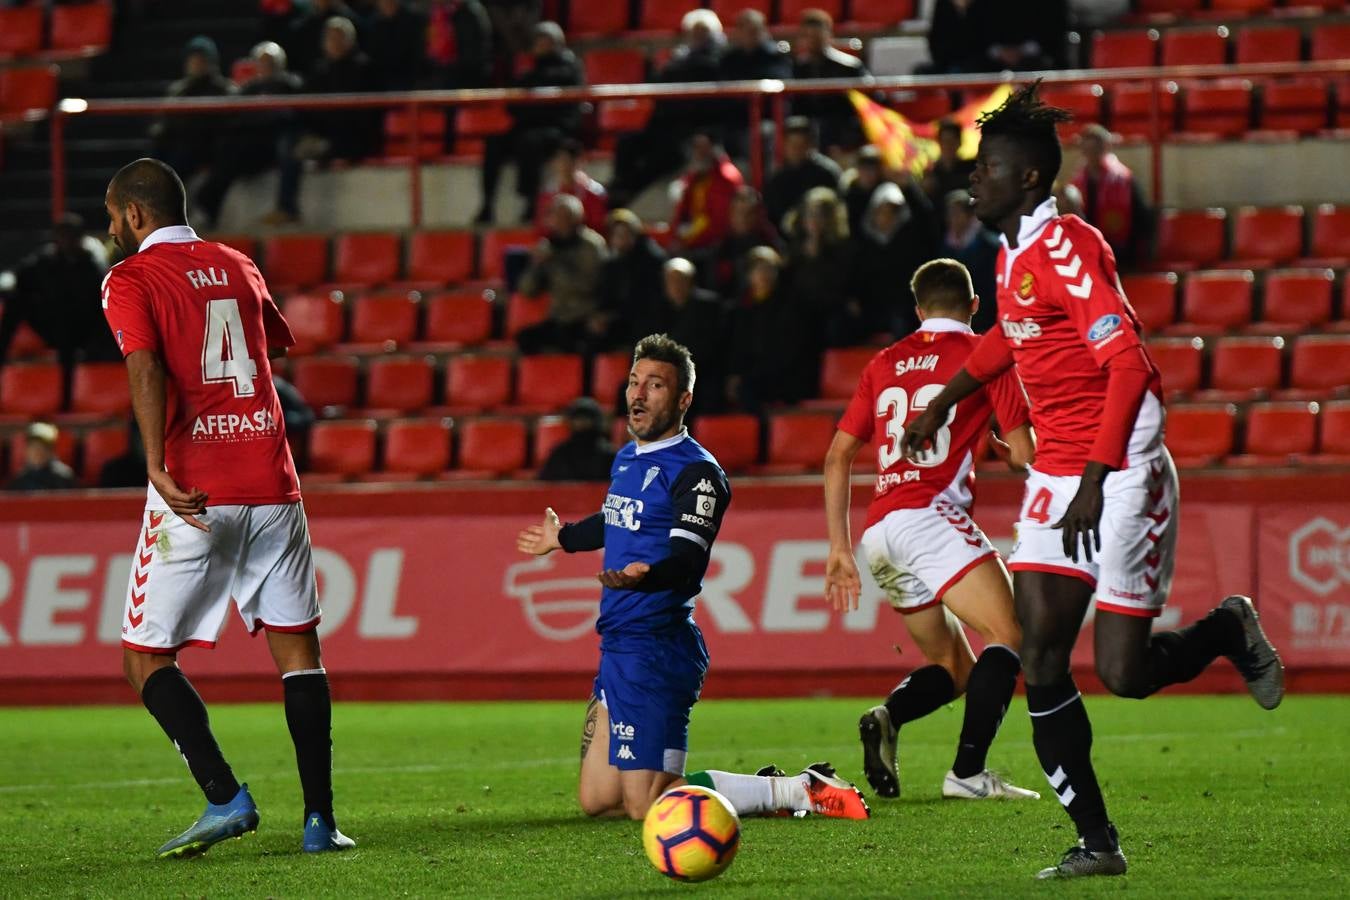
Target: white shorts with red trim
x=183, y=579
x=915, y=555
x=1132, y=573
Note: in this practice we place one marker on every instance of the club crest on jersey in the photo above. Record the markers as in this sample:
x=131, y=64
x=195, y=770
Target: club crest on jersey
x=1027, y=286
x=1103, y=327
x=648, y=478
x=1019, y=331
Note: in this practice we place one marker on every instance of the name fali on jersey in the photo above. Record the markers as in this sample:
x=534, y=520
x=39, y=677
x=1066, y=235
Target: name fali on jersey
x=926, y=363
x=1020, y=330
x=231, y=426
x=208, y=277
x=623, y=512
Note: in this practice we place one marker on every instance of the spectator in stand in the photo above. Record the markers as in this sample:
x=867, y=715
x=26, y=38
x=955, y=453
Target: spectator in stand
x=586, y=453
x=304, y=44
x=567, y=265
x=973, y=245
x=42, y=471
x=642, y=157
x=767, y=333
x=513, y=23
x=751, y=54
x=804, y=167
x=747, y=228
x=565, y=176
x=994, y=35
x=858, y=184
x=257, y=141
x=705, y=191
x=949, y=172
x=894, y=240
x=395, y=39
x=817, y=58
x=1112, y=198
x=459, y=44
x=56, y=291
x=694, y=317
x=536, y=130
x=631, y=279
x=185, y=141
x=820, y=258
x=343, y=69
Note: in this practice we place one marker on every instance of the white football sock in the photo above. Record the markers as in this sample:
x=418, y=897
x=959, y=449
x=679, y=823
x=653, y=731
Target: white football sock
x=752, y=795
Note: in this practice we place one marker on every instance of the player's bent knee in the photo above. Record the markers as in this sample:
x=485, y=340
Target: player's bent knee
x=1124, y=681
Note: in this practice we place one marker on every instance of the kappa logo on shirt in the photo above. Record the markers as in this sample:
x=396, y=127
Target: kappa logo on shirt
x=704, y=486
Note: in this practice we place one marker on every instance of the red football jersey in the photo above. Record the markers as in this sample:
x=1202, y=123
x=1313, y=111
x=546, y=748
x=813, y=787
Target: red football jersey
x=896, y=386
x=1063, y=314
x=204, y=308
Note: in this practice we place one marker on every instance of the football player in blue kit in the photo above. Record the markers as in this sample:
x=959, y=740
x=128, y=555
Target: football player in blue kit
x=666, y=500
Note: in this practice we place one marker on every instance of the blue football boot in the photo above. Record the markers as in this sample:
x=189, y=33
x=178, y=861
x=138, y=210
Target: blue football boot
x=227, y=820
x=319, y=838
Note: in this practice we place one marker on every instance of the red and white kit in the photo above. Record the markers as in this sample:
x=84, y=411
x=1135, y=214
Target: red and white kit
x=205, y=310
x=1066, y=324
x=920, y=539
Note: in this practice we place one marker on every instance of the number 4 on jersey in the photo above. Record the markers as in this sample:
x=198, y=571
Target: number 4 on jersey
x=224, y=350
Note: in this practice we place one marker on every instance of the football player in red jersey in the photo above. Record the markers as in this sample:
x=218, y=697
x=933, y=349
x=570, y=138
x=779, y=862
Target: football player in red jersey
x=223, y=519
x=1100, y=510
x=921, y=545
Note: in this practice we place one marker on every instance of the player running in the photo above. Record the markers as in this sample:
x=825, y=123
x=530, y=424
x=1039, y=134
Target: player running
x=223, y=516
x=921, y=545
x=665, y=505
x=1100, y=511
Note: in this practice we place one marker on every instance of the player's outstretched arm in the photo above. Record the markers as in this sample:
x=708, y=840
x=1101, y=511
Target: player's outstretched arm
x=145, y=372
x=541, y=539
x=920, y=430
x=843, y=585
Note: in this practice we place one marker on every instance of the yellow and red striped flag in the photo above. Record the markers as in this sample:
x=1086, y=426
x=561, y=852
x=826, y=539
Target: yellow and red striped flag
x=910, y=146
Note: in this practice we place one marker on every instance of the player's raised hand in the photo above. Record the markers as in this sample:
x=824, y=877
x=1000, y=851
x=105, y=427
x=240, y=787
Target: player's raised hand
x=627, y=577
x=843, y=585
x=541, y=539
x=187, y=505
x=1081, y=522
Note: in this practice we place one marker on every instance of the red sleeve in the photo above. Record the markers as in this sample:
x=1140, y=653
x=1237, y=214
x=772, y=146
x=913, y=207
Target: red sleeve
x=275, y=329
x=1091, y=295
x=991, y=357
x=1009, y=401
x=859, y=418
x=128, y=311
x=1128, y=377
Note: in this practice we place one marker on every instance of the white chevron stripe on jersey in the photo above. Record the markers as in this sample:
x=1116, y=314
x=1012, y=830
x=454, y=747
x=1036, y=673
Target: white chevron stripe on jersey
x=1081, y=290
x=1053, y=239
x=1062, y=250
x=1070, y=269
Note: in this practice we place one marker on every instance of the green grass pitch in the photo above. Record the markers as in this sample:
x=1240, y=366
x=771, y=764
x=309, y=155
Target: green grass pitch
x=1213, y=797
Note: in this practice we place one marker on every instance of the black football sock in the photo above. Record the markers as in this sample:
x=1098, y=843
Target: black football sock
x=309, y=715
x=179, y=710
x=922, y=691
x=1062, y=735
x=1178, y=656
x=988, y=691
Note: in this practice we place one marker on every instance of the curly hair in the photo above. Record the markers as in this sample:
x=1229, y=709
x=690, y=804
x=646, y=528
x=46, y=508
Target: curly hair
x=664, y=348
x=1028, y=122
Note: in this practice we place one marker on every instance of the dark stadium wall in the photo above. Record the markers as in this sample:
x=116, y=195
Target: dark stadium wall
x=425, y=596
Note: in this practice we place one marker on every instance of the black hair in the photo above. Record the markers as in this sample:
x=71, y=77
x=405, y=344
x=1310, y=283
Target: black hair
x=664, y=348
x=1027, y=121
x=800, y=125
x=942, y=285
x=153, y=186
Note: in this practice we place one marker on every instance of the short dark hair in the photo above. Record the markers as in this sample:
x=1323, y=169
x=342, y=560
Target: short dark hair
x=1027, y=121
x=819, y=18
x=153, y=186
x=943, y=285
x=799, y=125
x=664, y=348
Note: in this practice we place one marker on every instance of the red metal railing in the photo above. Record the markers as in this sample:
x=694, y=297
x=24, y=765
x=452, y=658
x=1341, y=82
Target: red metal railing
x=752, y=92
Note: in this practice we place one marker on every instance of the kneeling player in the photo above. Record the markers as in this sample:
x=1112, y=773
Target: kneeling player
x=921, y=544
x=663, y=510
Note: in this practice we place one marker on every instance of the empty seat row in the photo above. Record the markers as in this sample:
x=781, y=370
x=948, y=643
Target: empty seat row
x=1311, y=367
x=1190, y=8
x=74, y=29
x=485, y=447
x=1209, y=46
x=37, y=389
x=26, y=89
x=1291, y=301
x=1262, y=434
x=1262, y=236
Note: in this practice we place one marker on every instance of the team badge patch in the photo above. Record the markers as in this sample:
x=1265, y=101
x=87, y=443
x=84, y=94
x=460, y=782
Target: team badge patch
x=1103, y=327
x=1027, y=286
x=650, y=476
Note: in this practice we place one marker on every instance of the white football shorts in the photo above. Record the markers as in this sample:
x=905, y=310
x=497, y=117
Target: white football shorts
x=1132, y=573
x=915, y=555
x=183, y=579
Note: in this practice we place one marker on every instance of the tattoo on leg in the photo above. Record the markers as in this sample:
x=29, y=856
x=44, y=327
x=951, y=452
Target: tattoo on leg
x=588, y=730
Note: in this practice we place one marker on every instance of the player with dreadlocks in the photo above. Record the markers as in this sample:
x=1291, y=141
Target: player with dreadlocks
x=1100, y=510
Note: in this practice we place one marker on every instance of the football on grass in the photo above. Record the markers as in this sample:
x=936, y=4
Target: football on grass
x=691, y=833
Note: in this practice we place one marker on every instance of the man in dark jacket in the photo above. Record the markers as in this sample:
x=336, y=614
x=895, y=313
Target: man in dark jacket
x=185, y=141
x=459, y=44
x=696, y=318
x=751, y=54
x=304, y=42
x=949, y=172
x=817, y=58
x=536, y=129
x=586, y=454
x=804, y=167
x=42, y=471
x=895, y=239
x=343, y=69
x=395, y=39
x=631, y=278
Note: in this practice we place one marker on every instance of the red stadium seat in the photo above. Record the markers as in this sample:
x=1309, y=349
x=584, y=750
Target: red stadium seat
x=1153, y=297
x=296, y=260
x=342, y=448
x=1193, y=237
x=474, y=124
x=1083, y=100
x=733, y=439
x=440, y=257
x=425, y=141
x=477, y=382
x=1244, y=367
x=1200, y=435
x=83, y=26
x=875, y=15
x=491, y=447
x=1222, y=107
x=548, y=382
x=620, y=116
x=597, y=18
x=1132, y=108
x=100, y=387
x=1267, y=44
x=1296, y=105
x=367, y=260
x=790, y=11
x=29, y=88
x=1334, y=446
x=1321, y=365
x=1331, y=233
x=1266, y=237
x=522, y=312
x=660, y=16
x=1179, y=361
x=1216, y=301
x=402, y=383
x=1194, y=46
x=798, y=441
x=495, y=245
x=1247, y=7
x=1297, y=299
x=616, y=65
x=1330, y=41
x=99, y=445
x=727, y=9
x=417, y=447
x=326, y=381
x=385, y=318
x=65, y=449
x=246, y=244
x=549, y=432
x=1277, y=433
x=31, y=389
x=462, y=319
x=1124, y=49
x=20, y=30
x=841, y=369
x=609, y=373
x=317, y=321
x=1167, y=7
